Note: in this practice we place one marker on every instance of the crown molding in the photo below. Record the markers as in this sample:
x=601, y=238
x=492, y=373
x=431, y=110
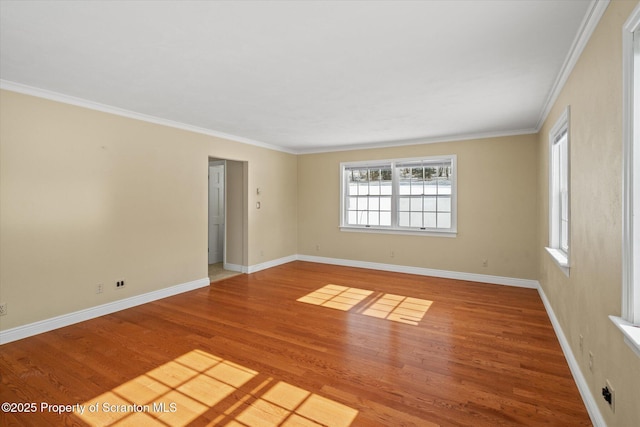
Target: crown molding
x=91, y=105
x=417, y=141
x=587, y=27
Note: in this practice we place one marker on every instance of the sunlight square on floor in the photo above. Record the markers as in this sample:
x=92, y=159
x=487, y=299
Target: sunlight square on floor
x=397, y=308
x=197, y=383
x=338, y=297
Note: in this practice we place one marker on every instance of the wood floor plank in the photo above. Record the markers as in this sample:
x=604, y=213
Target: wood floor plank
x=395, y=349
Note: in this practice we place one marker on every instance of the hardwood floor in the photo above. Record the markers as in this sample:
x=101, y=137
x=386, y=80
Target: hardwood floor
x=246, y=352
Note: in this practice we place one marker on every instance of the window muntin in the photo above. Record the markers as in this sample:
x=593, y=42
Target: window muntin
x=400, y=195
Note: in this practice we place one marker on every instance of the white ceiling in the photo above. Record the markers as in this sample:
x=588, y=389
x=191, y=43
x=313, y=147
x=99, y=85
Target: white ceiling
x=302, y=76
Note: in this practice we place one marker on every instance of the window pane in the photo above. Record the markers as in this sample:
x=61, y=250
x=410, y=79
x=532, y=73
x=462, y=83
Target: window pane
x=416, y=219
x=362, y=218
x=362, y=203
x=352, y=217
x=430, y=204
x=405, y=187
x=430, y=187
x=404, y=203
x=374, y=203
x=416, y=204
x=444, y=186
x=385, y=188
x=444, y=220
x=385, y=203
x=385, y=218
x=374, y=218
x=363, y=188
x=417, y=187
x=444, y=204
x=430, y=220
x=352, y=203
x=374, y=187
x=403, y=219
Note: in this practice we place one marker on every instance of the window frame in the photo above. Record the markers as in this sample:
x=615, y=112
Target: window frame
x=394, y=228
x=560, y=167
x=629, y=322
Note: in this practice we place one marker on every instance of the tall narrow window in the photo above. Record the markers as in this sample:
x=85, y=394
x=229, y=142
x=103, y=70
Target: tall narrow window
x=559, y=200
x=400, y=196
x=630, y=319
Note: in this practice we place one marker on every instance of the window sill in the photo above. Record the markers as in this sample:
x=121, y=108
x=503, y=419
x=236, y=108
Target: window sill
x=447, y=233
x=560, y=259
x=630, y=331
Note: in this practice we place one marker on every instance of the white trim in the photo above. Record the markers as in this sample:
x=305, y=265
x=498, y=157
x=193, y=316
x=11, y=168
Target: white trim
x=630, y=331
x=234, y=267
x=91, y=105
x=630, y=180
x=421, y=271
x=581, y=382
x=589, y=23
x=269, y=264
x=46, y=325
x=395, y=164
x=417, y=141
x=387, y=230
x=560, y=259
x=560, y=256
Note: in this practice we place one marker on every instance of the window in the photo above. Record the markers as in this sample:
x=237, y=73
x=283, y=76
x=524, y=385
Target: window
x=559, y=200
x=406, y=195
x=631, y=183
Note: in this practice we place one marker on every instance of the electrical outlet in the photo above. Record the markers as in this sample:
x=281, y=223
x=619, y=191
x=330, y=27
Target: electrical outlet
x=393, y=254
x=581, y=342
x=99, y=288
x=485, y=262
x=120, y=284
x=591, y=361
x=3, y=308
x=609, y=395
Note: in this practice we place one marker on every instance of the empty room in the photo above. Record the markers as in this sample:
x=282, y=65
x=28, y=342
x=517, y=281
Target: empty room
x=320, y=213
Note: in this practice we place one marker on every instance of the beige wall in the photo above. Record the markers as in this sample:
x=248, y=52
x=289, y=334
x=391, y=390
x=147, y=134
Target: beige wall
x=497, y=185
x=89, y=197
x=583, y=301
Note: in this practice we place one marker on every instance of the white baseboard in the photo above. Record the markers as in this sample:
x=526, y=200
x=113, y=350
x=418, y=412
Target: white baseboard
x=472, y=277
x=269, y=264
x=235, y=267
x=581, y=382
x=35, y=328
x=46, y=325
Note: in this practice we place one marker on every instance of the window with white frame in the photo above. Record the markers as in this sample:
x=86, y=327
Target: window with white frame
x=630, y=319
x=415, y=195
x=559, y=200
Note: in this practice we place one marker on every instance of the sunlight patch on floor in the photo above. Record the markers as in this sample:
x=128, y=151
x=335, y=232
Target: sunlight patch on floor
x=198, y=383
x=397, y=308
x=338, y=297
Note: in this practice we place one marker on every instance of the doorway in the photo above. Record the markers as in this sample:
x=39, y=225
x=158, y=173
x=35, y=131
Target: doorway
x=227, y=218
